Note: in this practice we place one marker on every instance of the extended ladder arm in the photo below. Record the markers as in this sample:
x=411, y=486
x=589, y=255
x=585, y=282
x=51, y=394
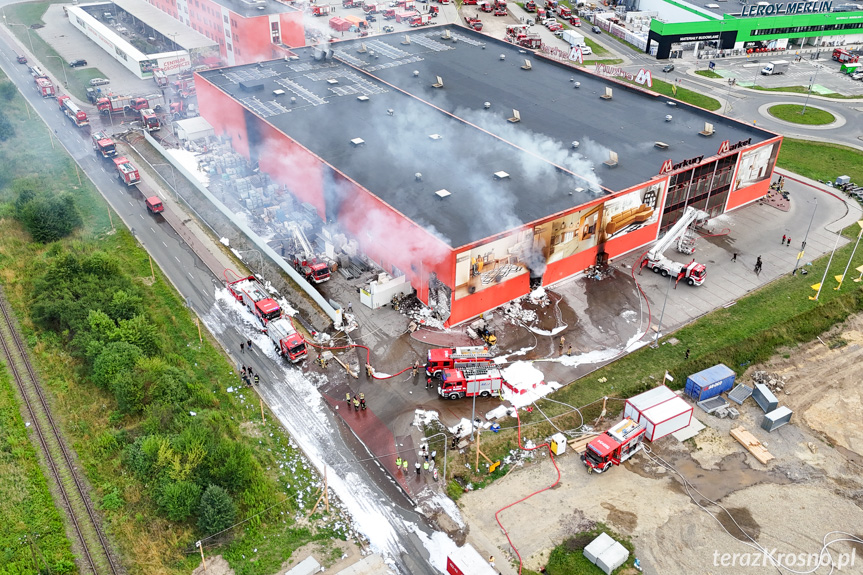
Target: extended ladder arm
x=689, y=215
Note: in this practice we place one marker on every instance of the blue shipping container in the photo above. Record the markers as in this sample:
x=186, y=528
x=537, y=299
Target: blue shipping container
x=710, y=382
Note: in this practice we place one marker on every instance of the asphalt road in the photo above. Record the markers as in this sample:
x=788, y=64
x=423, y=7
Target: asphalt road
x=368, y=492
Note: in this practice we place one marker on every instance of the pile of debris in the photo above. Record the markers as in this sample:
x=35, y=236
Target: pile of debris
x=514, y=311
x=775, y=382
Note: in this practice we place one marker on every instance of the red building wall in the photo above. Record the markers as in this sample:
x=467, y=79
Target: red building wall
x=223, y=113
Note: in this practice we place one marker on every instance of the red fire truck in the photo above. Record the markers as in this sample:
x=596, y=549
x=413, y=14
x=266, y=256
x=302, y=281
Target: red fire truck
x=45, y=87
x=321, y=10
x=288, y=342
x=126, y=172
x=116, y=104
x=420, y=20
x=72, y=111
x=564, y=12
x=150, y=120
x=103, y=145
x=440, y=359
x=844, y=56
x=252, y=294
x=614, y=446
x=160, y=78
x=469, y=381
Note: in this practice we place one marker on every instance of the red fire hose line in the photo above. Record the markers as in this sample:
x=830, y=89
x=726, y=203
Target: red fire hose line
x=502, y=509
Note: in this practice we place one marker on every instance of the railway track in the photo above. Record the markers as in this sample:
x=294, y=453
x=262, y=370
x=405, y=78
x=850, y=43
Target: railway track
x=94, y=554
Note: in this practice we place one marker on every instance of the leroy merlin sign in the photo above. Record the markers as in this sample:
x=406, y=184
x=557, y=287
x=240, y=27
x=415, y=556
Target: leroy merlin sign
x=787, y=8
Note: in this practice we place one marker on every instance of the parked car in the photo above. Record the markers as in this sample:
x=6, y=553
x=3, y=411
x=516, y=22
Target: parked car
x=389, y=28
x=596, y=30
x=857, y=76
x=668, y=68
x=586, y=50
x=22, y=59
x=555, y=27
x=99, y=81
x=77, y=63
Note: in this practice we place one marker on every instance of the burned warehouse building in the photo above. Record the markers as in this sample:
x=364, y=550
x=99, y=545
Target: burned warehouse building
x=474, y=168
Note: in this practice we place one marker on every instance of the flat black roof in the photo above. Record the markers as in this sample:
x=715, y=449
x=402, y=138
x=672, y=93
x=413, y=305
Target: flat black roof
x=448, y=135
x=253, y=8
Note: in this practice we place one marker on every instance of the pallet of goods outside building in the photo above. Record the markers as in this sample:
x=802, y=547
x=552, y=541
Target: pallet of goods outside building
x=580, y=444
x=750, y=442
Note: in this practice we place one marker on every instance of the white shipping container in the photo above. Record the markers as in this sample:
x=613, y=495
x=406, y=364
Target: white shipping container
x=643, y=401
x=666, y=418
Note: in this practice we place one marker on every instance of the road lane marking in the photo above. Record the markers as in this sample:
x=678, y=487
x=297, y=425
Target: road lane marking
x=164, y=244
x=178, y=260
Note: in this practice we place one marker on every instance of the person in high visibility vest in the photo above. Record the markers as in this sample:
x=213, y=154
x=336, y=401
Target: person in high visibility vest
x=348, y=398
x=426, y=465
x=405, y=465
x=398, y=463
x=356, y=404
x=363, y=400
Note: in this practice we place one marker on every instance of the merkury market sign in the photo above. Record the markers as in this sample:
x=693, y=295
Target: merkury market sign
x=787, y=8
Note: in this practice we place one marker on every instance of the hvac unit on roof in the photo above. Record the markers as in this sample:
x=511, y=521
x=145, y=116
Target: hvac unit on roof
x=363, y=98
x=612, y=160
x=278, y=92
x=406, y=41
x=708, y=129
x=357, y=142
x=442, y=194
x=516, y=117
x=607, y=95
x=439, y=83
x=501, y=175
x=527, y=65
x=332, y=81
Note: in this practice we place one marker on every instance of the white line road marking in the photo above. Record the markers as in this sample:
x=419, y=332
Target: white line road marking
x=141, y=216
x=178, y=260
x=190, y=275
x=164, y=244
x=154, y=231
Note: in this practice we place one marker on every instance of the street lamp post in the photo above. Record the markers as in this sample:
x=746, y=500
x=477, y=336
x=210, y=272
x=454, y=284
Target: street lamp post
x=173, y=177
x=65, y=78
x=662, y=313
x=25, y=26
x=809, y=91
x=803, y=245
x=444, y=451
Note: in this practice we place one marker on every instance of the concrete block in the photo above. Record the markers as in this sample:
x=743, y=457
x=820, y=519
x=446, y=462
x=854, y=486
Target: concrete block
x=596, y=547
x=612, y=558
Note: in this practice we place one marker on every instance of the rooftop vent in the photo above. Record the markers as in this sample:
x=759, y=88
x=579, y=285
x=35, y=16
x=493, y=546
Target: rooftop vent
x=363, y=98
x=406, y=41
x=278, y=92
x=708, y=129
x=439, y=83
x=363, y=48
x=607, y=95
x=486, y=105
x=293, y=99
x=516, y=117
x=501, y=175
x=446, y=35
x=503, y=56
x=527, y=65
x=575, y=144
x=416, y=73
x=442, y=194
x=252, y=86
x=578, y=190
x=390, y=112
x=332, y=81
x=668, y=118
x=435, y=137
x=577, y=85
x=357, y=142
x=660, y=145
x=418, y=176
x=611, y=162
x=672, y=104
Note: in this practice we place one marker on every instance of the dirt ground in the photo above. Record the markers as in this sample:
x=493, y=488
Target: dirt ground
x=811, y=488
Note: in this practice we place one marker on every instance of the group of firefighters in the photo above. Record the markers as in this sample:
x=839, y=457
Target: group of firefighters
x=358, y=402
x=425, y=461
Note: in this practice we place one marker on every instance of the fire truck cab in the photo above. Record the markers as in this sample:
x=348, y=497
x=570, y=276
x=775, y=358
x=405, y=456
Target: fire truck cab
x=469, y=381
x=252, y=294
x=614, y=446
x=289, y=344
x=440, y=359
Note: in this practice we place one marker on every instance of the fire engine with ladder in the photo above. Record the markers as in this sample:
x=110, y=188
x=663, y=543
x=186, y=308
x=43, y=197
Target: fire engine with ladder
x=680, y=234
x=470, y=381
x=103, y=145
x=304, y=259
x=249, y=292
x=289, y=344
x=440, y=359
x=44, y=87
x=72, y=111
x=614, y=446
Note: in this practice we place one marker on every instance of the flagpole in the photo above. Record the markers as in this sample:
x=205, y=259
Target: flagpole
x=848, y=265
x=839, y=235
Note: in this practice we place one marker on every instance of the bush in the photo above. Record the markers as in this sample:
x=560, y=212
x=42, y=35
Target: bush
x=116, y=359
x=7, y=130
x=217, y=510
x=46, y=217
x=178, y=499
x=7, y=90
